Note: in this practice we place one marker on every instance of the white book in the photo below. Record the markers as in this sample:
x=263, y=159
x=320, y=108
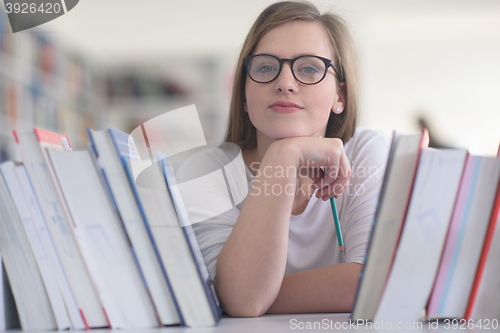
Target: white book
x=422, y=239
x=394, y=198
x=48, y=245
x=103, y=242
x=168, y=237
x=133, y=223
x=186, y=224
x=33, y=306
x=61, y=231
x=9, y=318
x=173, y=248
x=41, y=258
x=3, y=315
x=173, y=132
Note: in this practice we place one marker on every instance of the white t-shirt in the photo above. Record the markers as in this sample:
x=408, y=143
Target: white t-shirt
x=312, y=238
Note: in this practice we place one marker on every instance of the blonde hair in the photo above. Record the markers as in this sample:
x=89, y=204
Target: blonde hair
x=240, y=130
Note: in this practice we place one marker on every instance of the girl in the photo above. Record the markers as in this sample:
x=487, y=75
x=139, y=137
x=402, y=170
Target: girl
x=293, y=114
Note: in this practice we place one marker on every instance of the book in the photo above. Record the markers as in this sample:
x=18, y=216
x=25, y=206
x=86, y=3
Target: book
x=74, y=314
x=33, y=306
x=484, y=300
x=103, y=242
x=61, y=231
x=393, y=202
x=9, y=319
x=424, y=232
x=166, y=233
x=451, y=238
x=42, y=260
x=186, y=223
x=123, y=196
x=465, y=238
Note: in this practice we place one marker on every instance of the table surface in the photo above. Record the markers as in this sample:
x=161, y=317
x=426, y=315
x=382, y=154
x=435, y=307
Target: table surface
x=315, y=322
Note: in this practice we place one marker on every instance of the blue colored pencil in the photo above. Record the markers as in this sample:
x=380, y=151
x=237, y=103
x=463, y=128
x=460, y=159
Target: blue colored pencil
x=337, y=224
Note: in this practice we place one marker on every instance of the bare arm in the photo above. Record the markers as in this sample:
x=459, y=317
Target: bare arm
x=252, y=262
x=327, y=289
x=251, y=265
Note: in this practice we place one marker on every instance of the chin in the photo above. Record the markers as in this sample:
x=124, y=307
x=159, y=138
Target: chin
x=292, y=136
x=289, y=135
x=286, y=133
x=300, y=134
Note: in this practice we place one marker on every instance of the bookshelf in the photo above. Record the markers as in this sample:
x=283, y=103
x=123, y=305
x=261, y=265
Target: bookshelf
x=137, y=93
x=44, y=85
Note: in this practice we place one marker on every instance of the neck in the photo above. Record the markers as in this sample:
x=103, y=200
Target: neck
x=253, y=157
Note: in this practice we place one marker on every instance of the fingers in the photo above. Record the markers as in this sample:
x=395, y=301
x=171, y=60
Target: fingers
x=336, y=177
x=332, y=190
x=316, y=174
x=325, y=162
x=333, y=186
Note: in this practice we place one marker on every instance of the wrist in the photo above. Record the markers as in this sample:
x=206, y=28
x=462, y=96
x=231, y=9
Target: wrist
x=284, y=152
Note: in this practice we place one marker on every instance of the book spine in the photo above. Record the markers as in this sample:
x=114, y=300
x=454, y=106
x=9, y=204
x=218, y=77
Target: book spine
x=107, y=188
x=203, y=272
x=151, y=237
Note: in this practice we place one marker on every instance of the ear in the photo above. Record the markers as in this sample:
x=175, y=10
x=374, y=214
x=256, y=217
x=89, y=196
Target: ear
x=340, y=102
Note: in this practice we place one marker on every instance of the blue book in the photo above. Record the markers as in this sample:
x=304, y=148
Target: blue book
x=196, y=300
x=125, y=204
x=190, y=236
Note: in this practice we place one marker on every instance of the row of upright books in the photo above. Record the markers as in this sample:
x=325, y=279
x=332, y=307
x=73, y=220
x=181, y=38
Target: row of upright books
x=434, y=251
x=86, y=246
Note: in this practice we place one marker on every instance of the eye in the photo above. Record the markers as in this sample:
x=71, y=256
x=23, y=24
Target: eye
x=308, y=70
x=265, y=69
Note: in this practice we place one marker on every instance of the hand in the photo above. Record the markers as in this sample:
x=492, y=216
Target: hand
x=323, y=160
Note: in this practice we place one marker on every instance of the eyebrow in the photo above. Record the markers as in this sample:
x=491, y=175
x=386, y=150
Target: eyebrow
x=295, y=55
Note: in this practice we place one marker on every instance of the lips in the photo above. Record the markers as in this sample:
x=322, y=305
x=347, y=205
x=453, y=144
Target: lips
x=284, y=107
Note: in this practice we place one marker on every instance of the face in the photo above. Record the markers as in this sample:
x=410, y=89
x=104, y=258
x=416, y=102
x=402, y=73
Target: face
x=268, y=104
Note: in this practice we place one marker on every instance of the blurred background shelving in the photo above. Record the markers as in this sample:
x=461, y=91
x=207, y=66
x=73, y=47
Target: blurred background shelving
x=43, y=85
x=135, y=94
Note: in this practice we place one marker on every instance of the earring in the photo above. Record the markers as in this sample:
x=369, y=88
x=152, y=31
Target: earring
x=338, y=110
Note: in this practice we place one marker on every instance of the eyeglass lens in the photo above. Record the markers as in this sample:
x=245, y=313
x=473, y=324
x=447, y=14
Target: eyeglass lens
x=309, y=70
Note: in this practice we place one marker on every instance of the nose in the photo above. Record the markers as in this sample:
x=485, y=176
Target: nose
x=285, y=82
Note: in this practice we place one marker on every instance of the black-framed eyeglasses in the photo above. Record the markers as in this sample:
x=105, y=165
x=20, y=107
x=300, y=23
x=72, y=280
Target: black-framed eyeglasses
x=307, y=69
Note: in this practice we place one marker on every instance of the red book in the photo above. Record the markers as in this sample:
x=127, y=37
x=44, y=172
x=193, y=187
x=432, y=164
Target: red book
x=52, y=138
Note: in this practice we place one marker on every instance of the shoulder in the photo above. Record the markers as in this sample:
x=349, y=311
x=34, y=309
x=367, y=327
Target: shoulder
x=365, y=138
x=367, y=144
